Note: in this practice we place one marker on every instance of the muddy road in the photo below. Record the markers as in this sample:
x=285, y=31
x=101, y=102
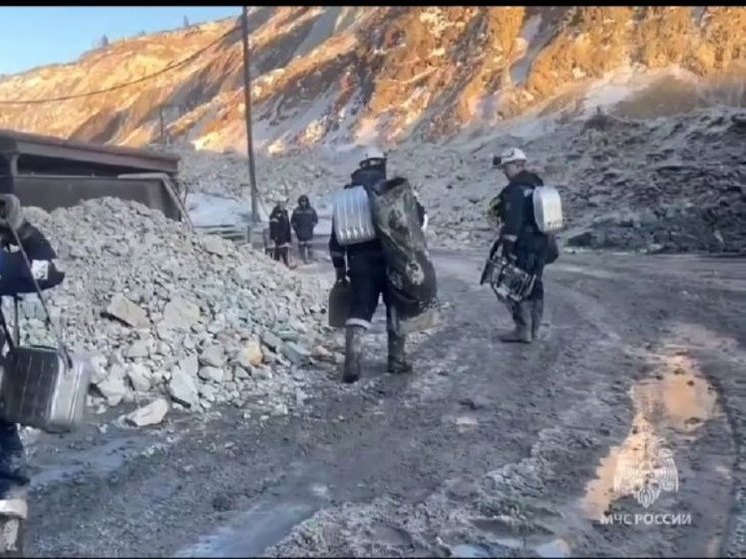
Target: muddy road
x=486, y=450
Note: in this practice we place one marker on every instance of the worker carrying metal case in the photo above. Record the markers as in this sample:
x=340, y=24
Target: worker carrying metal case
x=40, y=387
x=378, y=250
x=387, y=212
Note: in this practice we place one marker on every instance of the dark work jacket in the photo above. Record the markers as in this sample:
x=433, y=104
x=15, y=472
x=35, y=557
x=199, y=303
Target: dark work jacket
x=16, y=279
x=279, y=227
x=519, y=227
x=15, y=276
x=362, y=258
x=303, y=221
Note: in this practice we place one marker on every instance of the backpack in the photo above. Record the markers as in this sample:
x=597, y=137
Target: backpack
x=412, y=279
x=552, y=250
x=547, y=209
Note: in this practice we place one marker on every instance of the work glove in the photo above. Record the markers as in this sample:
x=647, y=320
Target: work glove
x=509, y=250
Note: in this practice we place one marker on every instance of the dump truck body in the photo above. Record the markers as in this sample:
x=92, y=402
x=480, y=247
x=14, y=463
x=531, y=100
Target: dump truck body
x=51, y=173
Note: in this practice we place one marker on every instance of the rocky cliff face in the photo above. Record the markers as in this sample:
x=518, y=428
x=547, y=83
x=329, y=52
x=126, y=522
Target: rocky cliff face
x=350, y=75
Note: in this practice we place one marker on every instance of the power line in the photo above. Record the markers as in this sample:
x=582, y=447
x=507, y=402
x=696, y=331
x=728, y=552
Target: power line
x=127, y=84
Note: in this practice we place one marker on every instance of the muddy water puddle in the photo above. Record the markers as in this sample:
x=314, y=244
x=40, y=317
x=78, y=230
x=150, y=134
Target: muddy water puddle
x=673, y=468
x=253, y=531
x=670, y=409
x=510, y=546
x=508, y=539
x=263, y=525
x=99, y=460
x=656, y=475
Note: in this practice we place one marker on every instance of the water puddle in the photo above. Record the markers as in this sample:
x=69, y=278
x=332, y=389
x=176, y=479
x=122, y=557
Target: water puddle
x=672, y=404
x=466, y=423
x=555, y=549
x=255, y=530
x=509, y=536
x=673, y=471
x=96, y=461
x=262, y=526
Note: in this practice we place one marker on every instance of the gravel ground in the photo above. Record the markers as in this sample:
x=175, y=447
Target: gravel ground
x=486, y=450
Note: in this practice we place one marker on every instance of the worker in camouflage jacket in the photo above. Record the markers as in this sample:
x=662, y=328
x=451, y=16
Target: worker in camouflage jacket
x=365, y=266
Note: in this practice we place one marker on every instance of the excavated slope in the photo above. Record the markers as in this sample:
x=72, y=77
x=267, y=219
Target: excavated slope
x=353, y=74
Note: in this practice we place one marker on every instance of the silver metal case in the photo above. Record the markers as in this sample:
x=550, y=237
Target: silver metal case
x=353, y=220
x=38, y=389
x=509, y=282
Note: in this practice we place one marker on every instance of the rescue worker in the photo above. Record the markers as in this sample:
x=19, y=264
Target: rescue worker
x=279, y=231
x=16, y=278
x=304, y=221
x=522, y=241
x=366, y=269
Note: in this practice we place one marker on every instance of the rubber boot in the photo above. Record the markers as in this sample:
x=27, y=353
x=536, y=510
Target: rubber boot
x=537, y=312
x=11, y=536
x=522, y=318
x=353, y=353
x=397, y=361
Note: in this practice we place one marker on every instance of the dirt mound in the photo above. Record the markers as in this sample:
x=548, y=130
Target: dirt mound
x=676, y=184
x=167, y=312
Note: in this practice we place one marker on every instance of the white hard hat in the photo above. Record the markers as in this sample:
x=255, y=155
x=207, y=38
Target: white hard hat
x=373, y=153
x=511, y=155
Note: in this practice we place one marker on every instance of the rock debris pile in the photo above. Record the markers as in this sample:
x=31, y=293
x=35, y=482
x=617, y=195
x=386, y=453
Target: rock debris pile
x=674, y=184
x=671, y=184
x=226, y=174
x=167, y=312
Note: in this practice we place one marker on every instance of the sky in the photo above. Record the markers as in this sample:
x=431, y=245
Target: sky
x=36, y=36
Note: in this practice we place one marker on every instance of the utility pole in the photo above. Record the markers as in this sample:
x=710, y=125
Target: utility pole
x=165, y=138
x=247, y=103
x=163, y=129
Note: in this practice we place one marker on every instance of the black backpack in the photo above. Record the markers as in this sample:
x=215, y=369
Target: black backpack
x=552, y=251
